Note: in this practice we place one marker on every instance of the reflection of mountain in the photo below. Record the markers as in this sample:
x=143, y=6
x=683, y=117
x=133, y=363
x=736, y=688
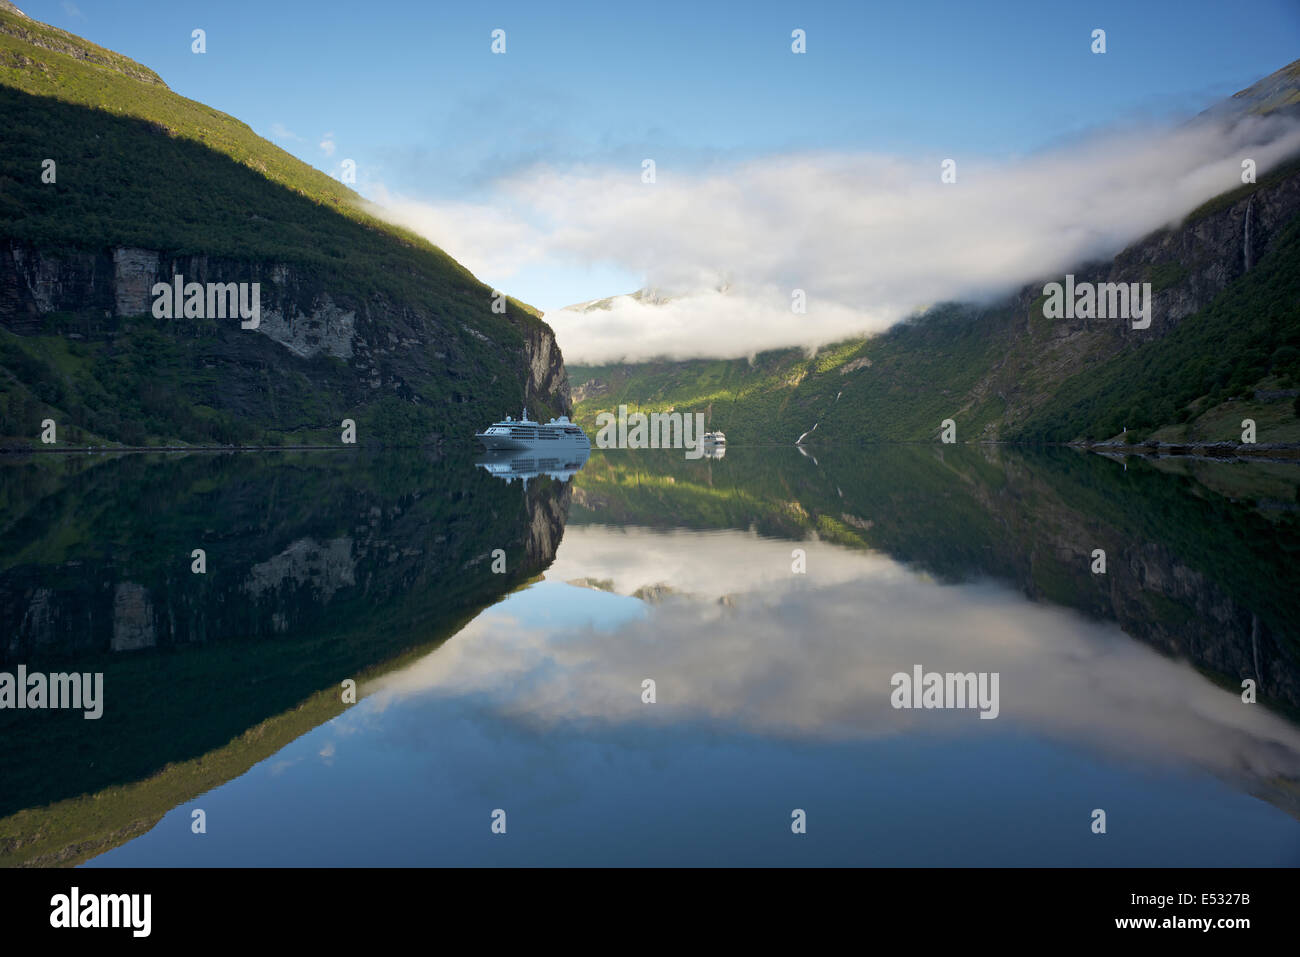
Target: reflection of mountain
x=319, y=568
x=1195, y=572
x=744, y=644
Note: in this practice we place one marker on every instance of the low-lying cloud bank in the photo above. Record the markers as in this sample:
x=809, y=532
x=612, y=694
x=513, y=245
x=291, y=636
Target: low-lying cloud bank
x=868, y=238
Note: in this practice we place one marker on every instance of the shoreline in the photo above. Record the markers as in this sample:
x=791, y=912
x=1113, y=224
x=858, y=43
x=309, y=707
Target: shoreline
x=1285, y=452
x=115, y=449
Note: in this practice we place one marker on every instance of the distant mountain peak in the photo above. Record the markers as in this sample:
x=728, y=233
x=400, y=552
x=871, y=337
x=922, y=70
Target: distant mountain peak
x=1279, y=92
x=649, y=295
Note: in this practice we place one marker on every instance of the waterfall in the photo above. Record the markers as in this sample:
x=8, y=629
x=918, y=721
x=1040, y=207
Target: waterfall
x=1245, y=242
x=799, y=441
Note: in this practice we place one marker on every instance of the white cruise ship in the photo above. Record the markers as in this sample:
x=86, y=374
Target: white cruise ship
x=559, y=437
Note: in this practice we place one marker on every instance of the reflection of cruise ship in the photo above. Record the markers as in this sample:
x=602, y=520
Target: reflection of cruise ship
x=559, y=437
x=511, y=465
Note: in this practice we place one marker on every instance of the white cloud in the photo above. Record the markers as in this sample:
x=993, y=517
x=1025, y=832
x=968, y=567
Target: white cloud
x=870, y=238
x=489, y=240
x=328, y=145
x=282, y=132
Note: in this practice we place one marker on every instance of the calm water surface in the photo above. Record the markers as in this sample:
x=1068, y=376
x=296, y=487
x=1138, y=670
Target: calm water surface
x=769, y=595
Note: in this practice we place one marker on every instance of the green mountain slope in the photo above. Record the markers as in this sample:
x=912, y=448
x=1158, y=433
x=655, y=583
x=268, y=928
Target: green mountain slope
x=894, y=387
x=1201, y=380
x=47, y=62
x=997, y=380
x=1007, y=372
x=374, y=323
x=1224, y=345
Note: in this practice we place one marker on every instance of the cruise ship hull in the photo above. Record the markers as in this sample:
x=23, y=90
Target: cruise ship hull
x=565, y=445
x=556, y=438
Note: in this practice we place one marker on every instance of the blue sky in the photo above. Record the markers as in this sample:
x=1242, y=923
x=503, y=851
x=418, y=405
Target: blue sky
x=410, y=90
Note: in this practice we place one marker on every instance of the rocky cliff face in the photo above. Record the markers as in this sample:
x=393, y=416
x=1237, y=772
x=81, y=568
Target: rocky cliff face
x=1188, y=265
x=418, y=355
x=548, y=381
x=1191, y=263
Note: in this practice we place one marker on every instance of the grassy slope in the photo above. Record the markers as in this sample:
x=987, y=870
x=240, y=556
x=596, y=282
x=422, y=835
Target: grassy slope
x=781, y=394
x=139, y=165
x=116, y=87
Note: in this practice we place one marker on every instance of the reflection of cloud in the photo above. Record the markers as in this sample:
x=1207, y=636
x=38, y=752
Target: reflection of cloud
x=869, y=238
x=277, y=767
x=706, y=564
x=812, y=656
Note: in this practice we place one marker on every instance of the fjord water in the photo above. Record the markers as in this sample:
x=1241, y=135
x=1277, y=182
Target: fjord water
x=770, y=596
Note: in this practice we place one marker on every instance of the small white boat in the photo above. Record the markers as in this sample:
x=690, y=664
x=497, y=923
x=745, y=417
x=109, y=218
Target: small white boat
x=715, y=438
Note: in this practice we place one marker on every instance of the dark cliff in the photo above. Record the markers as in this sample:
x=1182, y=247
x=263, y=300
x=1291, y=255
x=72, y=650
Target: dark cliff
x=319, y=354
x=359, y=319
